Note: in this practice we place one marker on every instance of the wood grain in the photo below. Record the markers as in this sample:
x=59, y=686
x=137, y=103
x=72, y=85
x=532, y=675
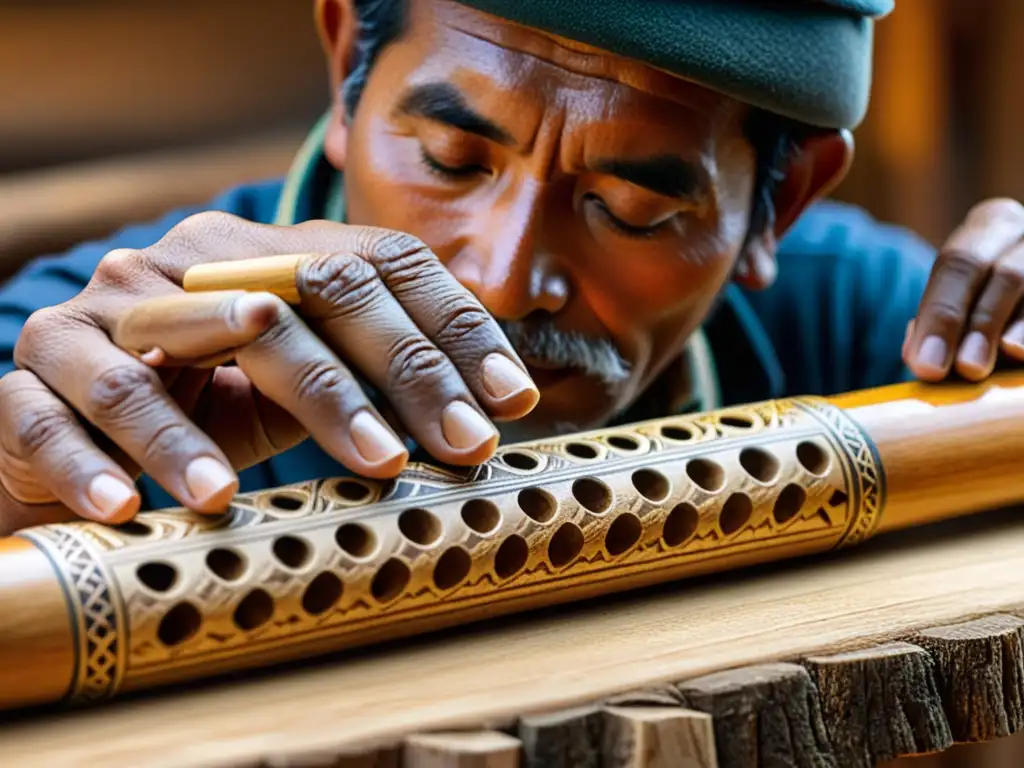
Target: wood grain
x=879, y=703
x=890, y=588
x=657, y=737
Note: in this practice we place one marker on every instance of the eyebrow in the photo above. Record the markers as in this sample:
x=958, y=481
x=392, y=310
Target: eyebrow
x=444, y=103
x=665, y=175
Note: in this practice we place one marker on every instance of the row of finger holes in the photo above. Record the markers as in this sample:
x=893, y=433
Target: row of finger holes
x=482, y=516
x=452, y=568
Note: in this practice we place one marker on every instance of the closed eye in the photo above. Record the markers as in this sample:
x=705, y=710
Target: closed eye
x=448, y=171
x=622, y=227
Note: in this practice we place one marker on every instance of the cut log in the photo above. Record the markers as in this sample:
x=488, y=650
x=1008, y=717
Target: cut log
x=568, y=739
x=764, y=716
x=980, y=672
x=880, y=703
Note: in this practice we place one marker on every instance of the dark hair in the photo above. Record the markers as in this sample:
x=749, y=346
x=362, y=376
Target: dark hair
x=775, y=138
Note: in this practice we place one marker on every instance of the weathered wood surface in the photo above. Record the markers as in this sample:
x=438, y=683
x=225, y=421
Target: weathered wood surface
x=522, y=671
x=880, y=703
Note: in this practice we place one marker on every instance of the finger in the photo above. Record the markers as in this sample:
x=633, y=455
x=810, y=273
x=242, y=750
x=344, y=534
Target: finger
x=47, y=456
x=284, y=360
x=960, y=271
x=126, y=401
x=976, y=358
x=295, y=369
x=447, y=312
x=194, y=329
x=358, y=314
x=248, y=426
x=392, y=275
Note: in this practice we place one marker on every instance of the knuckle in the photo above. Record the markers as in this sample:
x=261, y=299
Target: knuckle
x=345, y=282
x=204, y=223
x=200, y=233
x=36, y=333
x=165, y=440
x=318, y=378
x=38, y=429
x=463, y=324
x=398, y=256
x=413, y=360
x=120, y=393
x=961, y=263
x=998, y=209
x=1009, y=271
x=945, y=315
x=119, y=267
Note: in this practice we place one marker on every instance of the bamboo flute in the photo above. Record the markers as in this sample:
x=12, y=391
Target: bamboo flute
x=89, y=611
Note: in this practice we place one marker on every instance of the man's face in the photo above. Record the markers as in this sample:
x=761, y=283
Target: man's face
x=568, y=189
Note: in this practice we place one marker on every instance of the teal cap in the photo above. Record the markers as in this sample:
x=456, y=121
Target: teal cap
x=809, y=60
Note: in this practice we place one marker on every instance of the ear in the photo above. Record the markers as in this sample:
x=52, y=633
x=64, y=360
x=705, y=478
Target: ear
x=337, y=26
x=820, y=162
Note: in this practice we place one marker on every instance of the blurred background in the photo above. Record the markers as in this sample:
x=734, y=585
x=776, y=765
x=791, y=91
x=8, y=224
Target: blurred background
x=115, y=111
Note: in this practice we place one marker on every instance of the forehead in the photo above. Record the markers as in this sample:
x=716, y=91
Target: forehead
x=480, y=53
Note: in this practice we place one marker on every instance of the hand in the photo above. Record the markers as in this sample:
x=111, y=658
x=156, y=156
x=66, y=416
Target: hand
x=128, y=377
x=971, y=308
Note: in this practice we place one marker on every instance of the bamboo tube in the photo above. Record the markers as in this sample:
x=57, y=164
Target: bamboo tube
x=320, y=566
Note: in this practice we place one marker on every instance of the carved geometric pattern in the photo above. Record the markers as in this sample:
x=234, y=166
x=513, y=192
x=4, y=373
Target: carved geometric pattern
x=868, y=474
x=327, y=562
x=96, y=611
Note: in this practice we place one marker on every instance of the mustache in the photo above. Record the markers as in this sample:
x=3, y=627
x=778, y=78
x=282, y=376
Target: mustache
x=598, y=358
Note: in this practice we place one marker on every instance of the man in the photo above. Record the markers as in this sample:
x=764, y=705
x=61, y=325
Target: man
x=520, y=217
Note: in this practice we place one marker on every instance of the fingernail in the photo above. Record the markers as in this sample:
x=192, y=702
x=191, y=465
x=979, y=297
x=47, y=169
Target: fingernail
x=932, y=352
x=210, y=481
x=464, y=428
x=1015, y=336
x=251, y=311
x=373, y=440
x=154, y=358
x=974, y=350
x=503, y=378
x=112, y=497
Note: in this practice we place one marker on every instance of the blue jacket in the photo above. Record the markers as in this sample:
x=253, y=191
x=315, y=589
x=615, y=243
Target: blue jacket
x=833, y=322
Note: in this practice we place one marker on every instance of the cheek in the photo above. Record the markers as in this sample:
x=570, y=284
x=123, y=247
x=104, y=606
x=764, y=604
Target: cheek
x=386, y=186
x=647, y=290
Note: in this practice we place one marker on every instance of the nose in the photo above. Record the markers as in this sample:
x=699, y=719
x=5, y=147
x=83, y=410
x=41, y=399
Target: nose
x=502, y=264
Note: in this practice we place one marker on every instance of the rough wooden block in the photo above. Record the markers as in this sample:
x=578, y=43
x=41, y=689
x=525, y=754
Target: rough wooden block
x=980, y=672
x=879, y=703
x=765, y=716
x=657, y=737
x=470, y=749
x=566, y=739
